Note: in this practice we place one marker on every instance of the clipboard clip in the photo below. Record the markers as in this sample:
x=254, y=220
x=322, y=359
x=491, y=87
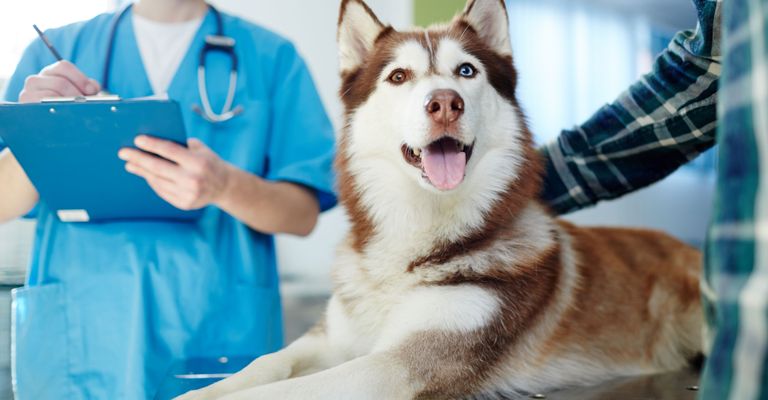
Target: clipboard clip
x=81, y=99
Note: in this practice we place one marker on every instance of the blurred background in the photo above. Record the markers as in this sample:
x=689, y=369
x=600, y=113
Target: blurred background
x=573, y=56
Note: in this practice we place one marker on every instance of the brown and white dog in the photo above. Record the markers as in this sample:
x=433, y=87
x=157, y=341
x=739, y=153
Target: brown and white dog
x=454, y=281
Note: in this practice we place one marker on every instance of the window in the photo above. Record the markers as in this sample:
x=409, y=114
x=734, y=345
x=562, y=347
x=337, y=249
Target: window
x=17, y=17
x=573, y=58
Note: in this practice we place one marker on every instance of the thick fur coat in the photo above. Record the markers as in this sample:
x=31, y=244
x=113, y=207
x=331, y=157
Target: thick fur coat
x=454, y=282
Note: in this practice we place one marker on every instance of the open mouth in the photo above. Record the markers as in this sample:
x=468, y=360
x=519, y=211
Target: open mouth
x=443, y=162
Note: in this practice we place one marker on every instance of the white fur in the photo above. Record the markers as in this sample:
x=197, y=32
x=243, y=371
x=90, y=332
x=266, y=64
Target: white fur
x=513, y=253
x=379, y=316
x=357, y=33
x=375, y=139
x=347, y=333
x=489, y=19
x=523, y=370
x=378, y=305
x=446, y=309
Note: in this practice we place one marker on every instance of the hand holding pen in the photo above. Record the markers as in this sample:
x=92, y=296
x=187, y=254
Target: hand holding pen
x=61, y=79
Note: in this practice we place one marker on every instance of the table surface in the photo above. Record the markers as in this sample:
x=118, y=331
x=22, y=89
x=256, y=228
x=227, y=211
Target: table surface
x=197, y=373
x=681, y=385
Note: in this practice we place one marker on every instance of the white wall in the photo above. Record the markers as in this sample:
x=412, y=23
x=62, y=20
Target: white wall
x=564, y=88
x=311, y=25
x=673, y=14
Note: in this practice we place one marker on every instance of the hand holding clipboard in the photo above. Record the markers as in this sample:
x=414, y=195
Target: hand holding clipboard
x=69, y=148
x=67, y=141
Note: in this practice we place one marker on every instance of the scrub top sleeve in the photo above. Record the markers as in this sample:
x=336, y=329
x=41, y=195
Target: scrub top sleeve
x=31, y=63
x=301, y=147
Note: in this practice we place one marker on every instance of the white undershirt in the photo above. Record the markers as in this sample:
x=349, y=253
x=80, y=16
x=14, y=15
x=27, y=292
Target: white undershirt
x=163, y=46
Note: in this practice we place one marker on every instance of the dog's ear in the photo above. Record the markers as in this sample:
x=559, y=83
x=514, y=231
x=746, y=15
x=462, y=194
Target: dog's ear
x=489, y=19
x=358, y=30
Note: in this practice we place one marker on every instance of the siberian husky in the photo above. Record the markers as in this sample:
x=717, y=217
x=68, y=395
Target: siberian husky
x=454, y=282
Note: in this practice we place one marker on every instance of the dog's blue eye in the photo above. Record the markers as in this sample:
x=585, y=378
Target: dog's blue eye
x=467, y=70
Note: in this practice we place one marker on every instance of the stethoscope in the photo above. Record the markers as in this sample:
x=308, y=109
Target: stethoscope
x=217, y=42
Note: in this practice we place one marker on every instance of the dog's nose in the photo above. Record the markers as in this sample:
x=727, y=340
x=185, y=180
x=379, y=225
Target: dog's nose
x=444, y=106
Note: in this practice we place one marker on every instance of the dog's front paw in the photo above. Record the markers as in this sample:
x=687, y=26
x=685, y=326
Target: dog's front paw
x=195, y=395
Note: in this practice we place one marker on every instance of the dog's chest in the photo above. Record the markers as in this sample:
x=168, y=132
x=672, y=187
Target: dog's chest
x=369, y=301
x=364, y=301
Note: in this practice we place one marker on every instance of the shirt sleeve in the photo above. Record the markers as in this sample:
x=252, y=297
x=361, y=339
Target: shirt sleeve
x=301, y=147
x=663, y=121
x=31, y=63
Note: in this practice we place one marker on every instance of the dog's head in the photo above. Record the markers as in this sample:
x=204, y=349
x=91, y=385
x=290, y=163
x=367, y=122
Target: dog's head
x=437, y=103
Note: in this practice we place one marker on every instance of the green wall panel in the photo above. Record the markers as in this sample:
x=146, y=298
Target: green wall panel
x=427, y=12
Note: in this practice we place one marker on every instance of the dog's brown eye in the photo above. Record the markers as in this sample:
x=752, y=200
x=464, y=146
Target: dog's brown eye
x=398, y=76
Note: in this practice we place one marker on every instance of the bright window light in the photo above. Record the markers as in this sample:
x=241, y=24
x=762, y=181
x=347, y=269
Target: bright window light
x=17, y=17
x=572, y=58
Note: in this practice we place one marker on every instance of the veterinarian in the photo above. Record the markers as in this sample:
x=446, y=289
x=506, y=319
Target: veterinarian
x=663, y=121
x=108, y=307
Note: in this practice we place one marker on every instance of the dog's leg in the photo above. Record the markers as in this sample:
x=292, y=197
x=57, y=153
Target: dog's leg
x=375, y=376
x=441, y=342
x=309, y=353
x=426, y=365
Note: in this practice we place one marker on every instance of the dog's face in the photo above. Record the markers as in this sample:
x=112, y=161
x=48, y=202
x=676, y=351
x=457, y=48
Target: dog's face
x=438, y=103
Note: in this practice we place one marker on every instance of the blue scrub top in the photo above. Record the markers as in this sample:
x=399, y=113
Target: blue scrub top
x=108, y=307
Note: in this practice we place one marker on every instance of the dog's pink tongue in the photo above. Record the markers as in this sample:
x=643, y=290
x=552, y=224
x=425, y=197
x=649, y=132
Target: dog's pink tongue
x=444, y=164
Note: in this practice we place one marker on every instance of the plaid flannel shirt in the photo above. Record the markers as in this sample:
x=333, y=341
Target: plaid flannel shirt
x=663, y=121
x=735, y=287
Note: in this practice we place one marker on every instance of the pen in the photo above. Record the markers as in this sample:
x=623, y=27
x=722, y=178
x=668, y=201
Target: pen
x=47, y=43
x=56, y=53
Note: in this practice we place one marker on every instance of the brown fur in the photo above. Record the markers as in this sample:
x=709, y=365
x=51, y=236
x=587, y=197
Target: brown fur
x=503, y=214
x=610, y=316
x=361, y=224
x=466, y=360
x=620, y=272
x=524, y=302
x=357, y=86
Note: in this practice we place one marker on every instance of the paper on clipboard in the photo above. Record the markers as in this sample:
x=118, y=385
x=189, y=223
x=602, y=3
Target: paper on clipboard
x=102, y=97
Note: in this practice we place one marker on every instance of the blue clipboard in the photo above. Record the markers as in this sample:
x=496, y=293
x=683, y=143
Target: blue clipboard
x=69, y=151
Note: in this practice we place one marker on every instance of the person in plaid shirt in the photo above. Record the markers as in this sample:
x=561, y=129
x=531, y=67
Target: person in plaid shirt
x=665, y=120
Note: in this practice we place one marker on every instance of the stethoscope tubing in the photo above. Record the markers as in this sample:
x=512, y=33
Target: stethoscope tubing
x=218, y=42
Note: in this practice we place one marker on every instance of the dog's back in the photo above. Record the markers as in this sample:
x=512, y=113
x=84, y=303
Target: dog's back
x=649, y=278
x=632, y=307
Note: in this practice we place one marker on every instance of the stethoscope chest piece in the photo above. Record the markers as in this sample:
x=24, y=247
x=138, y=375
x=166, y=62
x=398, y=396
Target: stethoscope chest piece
x=226, y=45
